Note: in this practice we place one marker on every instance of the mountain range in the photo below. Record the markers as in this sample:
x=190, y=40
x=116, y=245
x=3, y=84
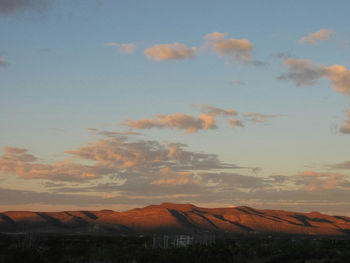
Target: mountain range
x=176, y=218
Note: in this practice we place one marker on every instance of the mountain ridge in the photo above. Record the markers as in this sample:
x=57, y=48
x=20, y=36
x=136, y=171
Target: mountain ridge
x=177, y=218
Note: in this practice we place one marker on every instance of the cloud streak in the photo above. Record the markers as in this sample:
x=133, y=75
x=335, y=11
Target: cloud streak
x=207, y=120
x=345, y=128
x=180, y=121
x=8, y=7
x=126, y=48
x=4, y=63
x=320, y=35
x=174, y=51
x=191, y=124
x=116, y=156
x=312, y=181
x=304, y=72
x=238, y=49
x=214, y=111
x=19, y=162
x=235, y=123
x=259, y=117
x=146, y=156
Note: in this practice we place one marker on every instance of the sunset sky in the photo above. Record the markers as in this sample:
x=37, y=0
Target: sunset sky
x=116, y=104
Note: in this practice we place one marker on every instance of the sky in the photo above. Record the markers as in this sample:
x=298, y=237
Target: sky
x=117, y=104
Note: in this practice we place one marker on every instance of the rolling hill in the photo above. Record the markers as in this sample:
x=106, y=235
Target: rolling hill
x=176, y=218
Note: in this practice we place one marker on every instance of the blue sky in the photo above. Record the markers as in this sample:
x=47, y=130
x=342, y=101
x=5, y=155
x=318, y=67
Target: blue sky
x=63, y=69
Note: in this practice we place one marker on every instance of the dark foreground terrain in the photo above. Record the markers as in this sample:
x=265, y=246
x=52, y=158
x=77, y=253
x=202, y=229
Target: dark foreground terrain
x=87, y=248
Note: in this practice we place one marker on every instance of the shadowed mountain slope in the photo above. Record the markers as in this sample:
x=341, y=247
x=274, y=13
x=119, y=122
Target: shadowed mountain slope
x=177, y=218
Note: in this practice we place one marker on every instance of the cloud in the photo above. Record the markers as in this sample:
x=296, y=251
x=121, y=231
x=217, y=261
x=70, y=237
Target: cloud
x=259, y=117
x=146, y=156
x=113, y=134
x=215, y=36
x=229, y=181
x=237, y=82
x=235, y=123
x=282, y=55
x=312, y=181
x=343, y=165
x=170, y=178
x=180, y=121
x=3, y=63
x=8, y=7
x=301, y=71
x=305, y=72
x=152, y=172
x=19, y=162
x=238, y=49
x=126, y=48
x=214, y=111
x=339, y=76
x=115, y=156
x=205, y=121
x=189, y=123
x=345, y=128
x=313, y=38
x=175, y=51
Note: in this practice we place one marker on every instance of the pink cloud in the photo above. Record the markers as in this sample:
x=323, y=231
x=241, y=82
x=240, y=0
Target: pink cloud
x=320, y=35
x=175, y=51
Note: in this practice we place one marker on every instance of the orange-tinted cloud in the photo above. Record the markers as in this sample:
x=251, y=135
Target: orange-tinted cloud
x=175, y=51
x=205, y=121
x=238, y=49
x=114, y=156
x=339, y=76
x=235, y=123
x=189, y=123
x=320, y=35
x=312, y=181
x=3, y=63
x=146, y=156
x=302, y=71
x=259, y=117
x=215, y=36
x=180, y=121
x=305, y=72
x=345, y=128
x=126, y=48
x=214, y=111
x=19, y=162
x=171, y=178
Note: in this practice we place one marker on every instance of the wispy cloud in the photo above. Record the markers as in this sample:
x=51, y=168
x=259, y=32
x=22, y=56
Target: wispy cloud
x=259, y=117
x=112, y=156
x=320, y=35
x=345, y=128
x=214, y=111
x=126, y=48
x=238, y=49
x=175, y=51
x=207, y=120
x=19, y=162
x=190, y=123
x=3, y=63
x=237, y=82
x=312, y=181
x=234, y=122
x=180, y=121
x=305, y=72
x=343, y=165
x=8, y=7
